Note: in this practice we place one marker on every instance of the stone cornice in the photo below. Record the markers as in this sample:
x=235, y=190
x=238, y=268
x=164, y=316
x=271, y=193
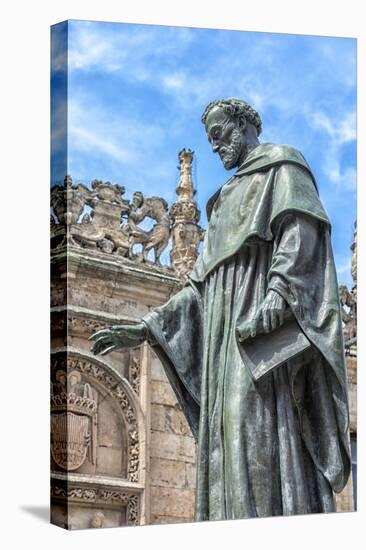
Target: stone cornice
x=85, y=313
x=100, y=481
x=98, y=260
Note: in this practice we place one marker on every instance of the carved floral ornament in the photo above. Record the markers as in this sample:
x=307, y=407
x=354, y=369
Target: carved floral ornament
x=77, y=324
x=184, y=211
x=117, y=387
x=86, y=326
x=99, y=496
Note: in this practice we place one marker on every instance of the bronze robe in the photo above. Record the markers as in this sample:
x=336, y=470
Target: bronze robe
x=277, y=446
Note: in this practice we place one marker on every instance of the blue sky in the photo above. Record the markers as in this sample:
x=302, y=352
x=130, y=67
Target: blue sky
x=136, y=94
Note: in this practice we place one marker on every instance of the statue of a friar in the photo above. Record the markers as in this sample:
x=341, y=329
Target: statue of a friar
x=253, y=344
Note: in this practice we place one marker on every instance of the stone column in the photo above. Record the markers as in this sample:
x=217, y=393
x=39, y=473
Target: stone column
x=185, y=215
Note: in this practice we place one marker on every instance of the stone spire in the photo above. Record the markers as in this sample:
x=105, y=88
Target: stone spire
x=185, y=215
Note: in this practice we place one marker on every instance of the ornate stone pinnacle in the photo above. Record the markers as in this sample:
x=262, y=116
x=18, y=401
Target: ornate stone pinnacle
x=185, y=189
x=184, y=214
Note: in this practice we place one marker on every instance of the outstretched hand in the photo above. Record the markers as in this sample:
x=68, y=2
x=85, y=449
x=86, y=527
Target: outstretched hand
x=271, y=314
x=118, y=336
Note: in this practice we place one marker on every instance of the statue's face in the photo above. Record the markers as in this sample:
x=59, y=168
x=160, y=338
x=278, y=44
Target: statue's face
x=137, y=199
x=225, y=136
x=96, y=522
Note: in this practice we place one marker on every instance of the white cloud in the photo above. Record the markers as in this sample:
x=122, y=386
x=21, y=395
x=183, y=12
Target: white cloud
x=257, y=70
x=148, y=54
x=117, y=47
x=340, y=132
x=345, y=268
x=87, y=131
x=87, y=139
x=59, y=126
x=344, y=274
x=104, y=144
x=174, y=81
x=59, y=48
x=346, y=179
x=120, y=137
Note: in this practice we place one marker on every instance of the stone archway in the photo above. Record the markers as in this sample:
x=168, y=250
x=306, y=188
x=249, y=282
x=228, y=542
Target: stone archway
x=105, y=489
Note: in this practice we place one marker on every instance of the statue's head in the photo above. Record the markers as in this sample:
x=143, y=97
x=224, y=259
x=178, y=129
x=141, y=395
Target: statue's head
x=232, y=127
x=137, y=199
x=61, y=377
x=97, y=521
x=74, y=377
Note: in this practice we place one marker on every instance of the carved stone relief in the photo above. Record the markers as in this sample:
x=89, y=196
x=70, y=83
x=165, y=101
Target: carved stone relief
x=100, y=219
x=348, y=304
x=157, y=238
x=135, y=369
x=85, y=369
x=87, y=325
x=348, y=299
x=99, y=496
x=82, y=325
x=73, y=421
x=97, y=521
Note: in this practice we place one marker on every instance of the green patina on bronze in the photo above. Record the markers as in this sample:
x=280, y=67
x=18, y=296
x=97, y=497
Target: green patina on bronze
x=276, y=445
x=274, y=179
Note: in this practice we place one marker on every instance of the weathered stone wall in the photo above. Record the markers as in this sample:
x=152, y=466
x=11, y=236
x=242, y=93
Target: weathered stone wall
x=348, y=298
x=133, y=458
x=345, y=499
x=352, y=390
x=104, y=290
x=172, y=452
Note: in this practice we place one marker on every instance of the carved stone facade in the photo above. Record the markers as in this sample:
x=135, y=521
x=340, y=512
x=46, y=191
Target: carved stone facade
x=347, y=500
x=121, y=450
x=100, y=219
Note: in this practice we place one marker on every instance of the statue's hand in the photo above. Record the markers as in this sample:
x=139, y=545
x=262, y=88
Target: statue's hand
x=271, y=315
x=118, y=336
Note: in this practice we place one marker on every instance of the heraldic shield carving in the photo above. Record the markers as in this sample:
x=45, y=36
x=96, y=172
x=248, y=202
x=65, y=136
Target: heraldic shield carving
x=73, y=421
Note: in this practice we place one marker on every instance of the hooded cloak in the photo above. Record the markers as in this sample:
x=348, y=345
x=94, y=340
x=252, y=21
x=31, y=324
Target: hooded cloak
x=277, y=445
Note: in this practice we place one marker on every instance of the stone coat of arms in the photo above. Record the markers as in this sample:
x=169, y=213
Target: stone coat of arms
x=73, y=421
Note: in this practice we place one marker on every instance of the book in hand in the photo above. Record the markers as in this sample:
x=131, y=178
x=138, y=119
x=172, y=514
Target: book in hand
x=268, y=351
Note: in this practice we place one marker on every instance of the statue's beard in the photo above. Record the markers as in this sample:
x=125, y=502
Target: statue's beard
x=230, y=154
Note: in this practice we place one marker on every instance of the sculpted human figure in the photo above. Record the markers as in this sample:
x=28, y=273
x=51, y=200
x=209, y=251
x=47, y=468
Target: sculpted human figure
x=252, y=344
x=157, y=238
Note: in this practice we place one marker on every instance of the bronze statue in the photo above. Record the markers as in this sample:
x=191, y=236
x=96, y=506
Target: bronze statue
x=252, y=344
